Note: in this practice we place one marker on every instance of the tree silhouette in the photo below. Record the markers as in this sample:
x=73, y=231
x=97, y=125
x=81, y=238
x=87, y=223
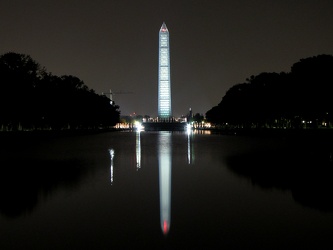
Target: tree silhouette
x=32, y=98
x=300, y=98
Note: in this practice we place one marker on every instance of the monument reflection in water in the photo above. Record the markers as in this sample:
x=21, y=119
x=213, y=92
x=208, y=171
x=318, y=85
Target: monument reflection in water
x=164, y=164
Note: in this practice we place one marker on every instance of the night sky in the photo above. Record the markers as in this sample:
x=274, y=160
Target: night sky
x=214, y=44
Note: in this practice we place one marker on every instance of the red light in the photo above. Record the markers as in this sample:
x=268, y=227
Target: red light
x=165, y=227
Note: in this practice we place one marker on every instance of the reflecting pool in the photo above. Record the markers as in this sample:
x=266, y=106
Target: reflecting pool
x=166, y=190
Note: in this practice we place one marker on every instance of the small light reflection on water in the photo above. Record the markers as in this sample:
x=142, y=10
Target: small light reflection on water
x=190, y=152
x=138, y=149
x=137, y=155
x=111, y=151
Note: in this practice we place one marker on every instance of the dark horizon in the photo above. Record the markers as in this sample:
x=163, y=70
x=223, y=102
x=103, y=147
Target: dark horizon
x=299, y=99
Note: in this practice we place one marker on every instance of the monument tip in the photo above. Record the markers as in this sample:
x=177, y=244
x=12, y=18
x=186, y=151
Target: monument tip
x=164, y=28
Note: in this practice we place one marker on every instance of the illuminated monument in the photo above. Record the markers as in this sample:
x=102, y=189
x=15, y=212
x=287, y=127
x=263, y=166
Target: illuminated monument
x=164, y=83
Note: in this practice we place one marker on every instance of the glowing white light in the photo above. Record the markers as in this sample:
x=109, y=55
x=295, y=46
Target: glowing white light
x=138, y=126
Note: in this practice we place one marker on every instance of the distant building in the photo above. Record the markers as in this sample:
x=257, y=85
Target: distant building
x=164, y=82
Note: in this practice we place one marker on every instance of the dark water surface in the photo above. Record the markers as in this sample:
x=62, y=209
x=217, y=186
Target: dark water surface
x=166, y=190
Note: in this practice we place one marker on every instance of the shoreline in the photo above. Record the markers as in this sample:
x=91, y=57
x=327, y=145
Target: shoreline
x=271, y=131
x=54, y=133
x=225, y=131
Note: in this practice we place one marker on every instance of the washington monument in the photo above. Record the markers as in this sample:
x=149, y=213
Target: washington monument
x=164, y=82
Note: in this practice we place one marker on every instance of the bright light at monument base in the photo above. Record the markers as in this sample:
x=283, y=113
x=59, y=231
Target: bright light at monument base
x=138, y=126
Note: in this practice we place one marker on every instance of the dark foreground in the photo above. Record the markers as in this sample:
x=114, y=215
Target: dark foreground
x=166, y=190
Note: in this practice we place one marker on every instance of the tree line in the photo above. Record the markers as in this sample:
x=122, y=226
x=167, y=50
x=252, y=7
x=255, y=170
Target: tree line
x=301, y=98
x=33, y=99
